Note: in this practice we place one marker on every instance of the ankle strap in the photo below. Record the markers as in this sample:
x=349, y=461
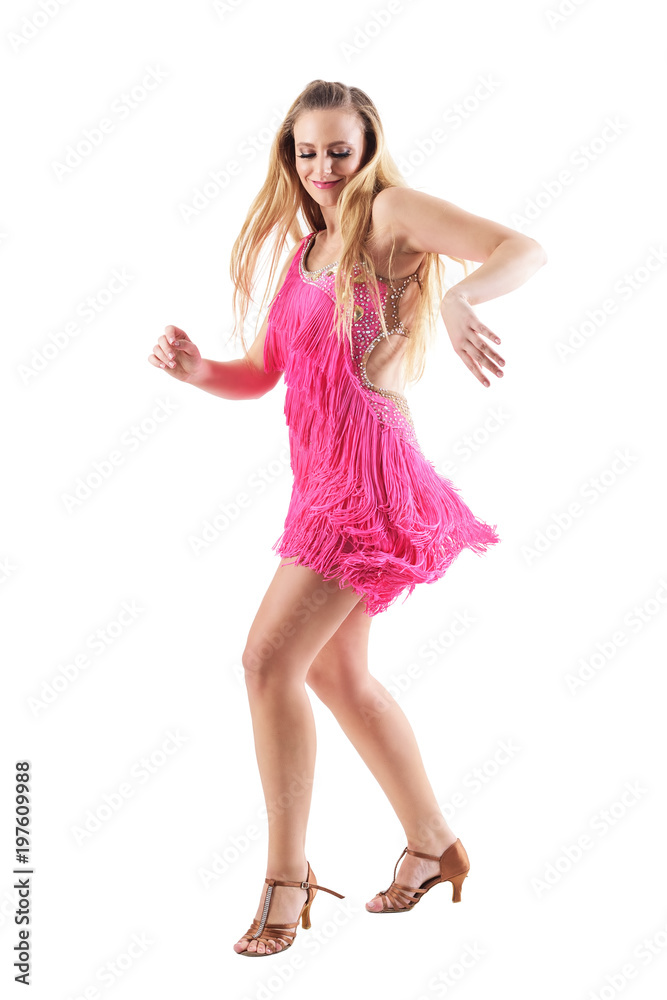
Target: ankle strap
x=302, y=885
x=418, y=854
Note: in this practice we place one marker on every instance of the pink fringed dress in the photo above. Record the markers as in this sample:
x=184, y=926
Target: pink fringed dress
x=367, y=506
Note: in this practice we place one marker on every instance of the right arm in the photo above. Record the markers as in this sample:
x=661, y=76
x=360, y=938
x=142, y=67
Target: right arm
x=242, y=378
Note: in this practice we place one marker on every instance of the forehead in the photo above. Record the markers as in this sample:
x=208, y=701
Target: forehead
x=331, y=126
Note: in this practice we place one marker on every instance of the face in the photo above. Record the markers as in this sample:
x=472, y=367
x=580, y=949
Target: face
x=329, y=148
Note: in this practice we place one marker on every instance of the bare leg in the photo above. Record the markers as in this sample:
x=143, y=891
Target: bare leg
x=377, y=727
x=298, y=614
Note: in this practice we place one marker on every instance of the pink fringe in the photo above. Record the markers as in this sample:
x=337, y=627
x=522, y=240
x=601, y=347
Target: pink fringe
x=367, y=507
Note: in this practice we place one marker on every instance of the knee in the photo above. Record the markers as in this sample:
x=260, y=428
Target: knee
x=256, y=660
x=316, y=679
x=332, y=677
x=268, y=664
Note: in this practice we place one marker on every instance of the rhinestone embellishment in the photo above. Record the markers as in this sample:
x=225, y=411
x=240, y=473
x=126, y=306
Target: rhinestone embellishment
x=391, y=406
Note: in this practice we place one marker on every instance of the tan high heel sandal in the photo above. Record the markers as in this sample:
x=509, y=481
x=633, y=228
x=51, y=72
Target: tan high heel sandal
x=454, y=866
x=284, y=933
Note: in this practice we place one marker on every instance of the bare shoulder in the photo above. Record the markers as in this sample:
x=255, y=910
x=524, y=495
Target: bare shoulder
x=390, y=235
x=390, y=208
x=421, y=222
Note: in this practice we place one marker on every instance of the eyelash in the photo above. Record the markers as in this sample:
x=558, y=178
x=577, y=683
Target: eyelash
x=307, y=156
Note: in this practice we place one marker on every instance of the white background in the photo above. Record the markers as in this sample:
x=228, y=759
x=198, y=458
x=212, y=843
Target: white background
x=537, y=922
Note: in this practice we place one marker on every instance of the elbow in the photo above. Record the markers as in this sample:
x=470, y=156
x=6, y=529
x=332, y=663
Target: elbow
x=538, y=252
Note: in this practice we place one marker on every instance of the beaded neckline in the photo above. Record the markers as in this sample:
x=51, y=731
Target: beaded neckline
x=313, y=275
x=304, y=254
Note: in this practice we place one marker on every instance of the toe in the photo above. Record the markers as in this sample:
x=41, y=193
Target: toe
x=375, y=904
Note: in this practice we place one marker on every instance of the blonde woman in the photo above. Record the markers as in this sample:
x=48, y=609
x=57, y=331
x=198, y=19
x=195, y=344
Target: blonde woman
x=369, y=517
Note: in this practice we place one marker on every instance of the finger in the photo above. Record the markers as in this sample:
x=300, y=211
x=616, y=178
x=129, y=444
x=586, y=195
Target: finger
x=485, y=332
x=482, y=359
x=167, y=348
x=185, y=346
x=171, y=347
x=485, y=349
x=163, y=357
x=156, y=361
x=175, y=333
x=470, y=363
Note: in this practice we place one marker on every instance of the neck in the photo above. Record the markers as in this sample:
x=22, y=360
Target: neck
x=331, y=223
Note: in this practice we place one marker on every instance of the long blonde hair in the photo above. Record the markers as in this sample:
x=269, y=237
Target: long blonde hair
x=276, y=206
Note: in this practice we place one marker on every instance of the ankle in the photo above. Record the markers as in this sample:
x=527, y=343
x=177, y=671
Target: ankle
x=428, y=832
x=432, y=844
x=296, y=872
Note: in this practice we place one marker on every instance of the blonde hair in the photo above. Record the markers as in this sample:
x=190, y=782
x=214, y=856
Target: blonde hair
x=276, y=206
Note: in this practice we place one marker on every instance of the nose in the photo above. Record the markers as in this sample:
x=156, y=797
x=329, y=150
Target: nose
x=324, y=164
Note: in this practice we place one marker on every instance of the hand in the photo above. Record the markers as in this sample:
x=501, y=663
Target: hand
x=176, y=353
x=466, y=332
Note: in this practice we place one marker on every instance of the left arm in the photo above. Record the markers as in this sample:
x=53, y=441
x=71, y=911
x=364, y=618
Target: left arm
x=424, y=224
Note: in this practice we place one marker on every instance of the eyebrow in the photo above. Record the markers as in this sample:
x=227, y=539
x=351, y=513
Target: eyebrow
x=336, y=142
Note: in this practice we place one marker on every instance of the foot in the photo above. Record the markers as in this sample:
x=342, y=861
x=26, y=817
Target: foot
x=286, y=905
x=413, y=871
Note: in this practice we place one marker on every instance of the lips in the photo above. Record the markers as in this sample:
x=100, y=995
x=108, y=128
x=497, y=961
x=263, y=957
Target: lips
x=327, y=184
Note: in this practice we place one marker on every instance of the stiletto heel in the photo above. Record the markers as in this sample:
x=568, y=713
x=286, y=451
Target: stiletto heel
x=457, y=882
x=454, y=866
x=260, y=930
x=305, y=917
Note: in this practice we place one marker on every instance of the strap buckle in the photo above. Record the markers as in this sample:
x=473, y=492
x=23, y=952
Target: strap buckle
x=305, y=885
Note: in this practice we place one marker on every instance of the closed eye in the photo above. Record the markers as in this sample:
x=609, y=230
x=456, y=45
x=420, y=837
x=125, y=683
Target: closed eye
x=308, y=156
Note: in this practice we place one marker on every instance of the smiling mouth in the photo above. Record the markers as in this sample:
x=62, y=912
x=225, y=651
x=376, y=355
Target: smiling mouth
x=326, y=183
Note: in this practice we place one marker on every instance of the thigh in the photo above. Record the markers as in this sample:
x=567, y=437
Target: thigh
x=342, y=662
x=298, y=614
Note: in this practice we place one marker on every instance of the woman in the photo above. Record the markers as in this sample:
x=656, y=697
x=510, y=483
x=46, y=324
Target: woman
x=369, y=516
